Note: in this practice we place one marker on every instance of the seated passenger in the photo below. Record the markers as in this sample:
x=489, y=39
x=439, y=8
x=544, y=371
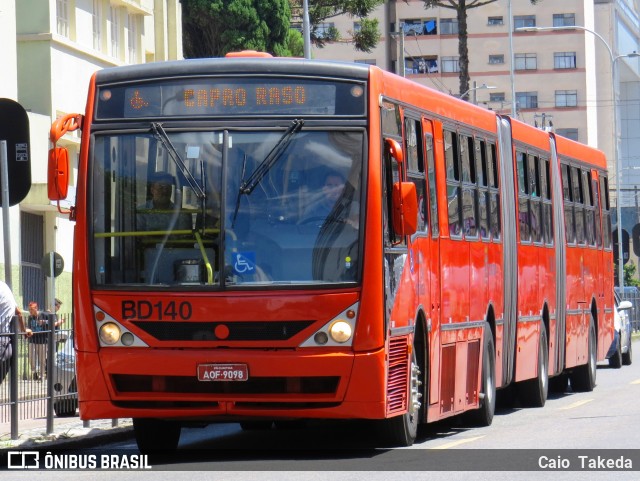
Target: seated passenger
x=157, y=213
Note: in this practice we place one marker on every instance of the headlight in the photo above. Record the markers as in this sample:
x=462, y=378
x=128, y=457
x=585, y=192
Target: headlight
x=340, y=331
x=109, y=333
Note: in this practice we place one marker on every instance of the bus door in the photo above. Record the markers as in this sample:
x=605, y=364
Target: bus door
x=432, y=265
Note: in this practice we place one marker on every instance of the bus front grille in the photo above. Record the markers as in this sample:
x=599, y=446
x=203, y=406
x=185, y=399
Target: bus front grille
x=234, y=331
x=258, y=385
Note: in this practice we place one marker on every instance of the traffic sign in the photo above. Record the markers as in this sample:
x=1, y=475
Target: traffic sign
x=14, y=129
x=58, y=264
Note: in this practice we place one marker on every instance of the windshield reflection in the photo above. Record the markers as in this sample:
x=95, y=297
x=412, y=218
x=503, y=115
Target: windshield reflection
x=298, y=224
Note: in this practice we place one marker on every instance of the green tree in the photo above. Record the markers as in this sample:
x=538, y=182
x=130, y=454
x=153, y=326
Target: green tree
x=212, y=28
x=462, y=7
x=365, y=39
x=630, y=275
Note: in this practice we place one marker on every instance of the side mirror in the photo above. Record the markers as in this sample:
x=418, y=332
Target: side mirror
x=624, y=305
x=405, y=208
x=58, y=173
x=395, y=149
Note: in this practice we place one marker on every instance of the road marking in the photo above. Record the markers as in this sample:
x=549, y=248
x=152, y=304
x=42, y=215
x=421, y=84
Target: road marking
x=637, y=381
x=576, y=404
x=453, y=444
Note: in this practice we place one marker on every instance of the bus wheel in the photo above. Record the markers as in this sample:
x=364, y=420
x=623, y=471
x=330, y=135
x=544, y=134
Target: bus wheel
x=483, y=416
x=156, y=435
x=627, y=357
x=402, y=430
x=533, y=393
x=583, y=378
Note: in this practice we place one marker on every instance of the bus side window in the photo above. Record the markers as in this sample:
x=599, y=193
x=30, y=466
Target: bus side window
x=578, y=204
x=415, y=167
x=433, y=196
x=523, y=200
x=494, y=192
x=483, y=192
x=453, y=178
x=570, y=225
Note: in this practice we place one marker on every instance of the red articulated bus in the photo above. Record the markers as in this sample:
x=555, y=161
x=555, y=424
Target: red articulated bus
x=264, y=239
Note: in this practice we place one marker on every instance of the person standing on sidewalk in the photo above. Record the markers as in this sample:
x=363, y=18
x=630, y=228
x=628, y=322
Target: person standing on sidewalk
x=8, y=309
x=37, y=322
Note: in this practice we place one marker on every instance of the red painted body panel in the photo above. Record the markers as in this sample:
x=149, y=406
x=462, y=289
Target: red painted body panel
x=452, y=284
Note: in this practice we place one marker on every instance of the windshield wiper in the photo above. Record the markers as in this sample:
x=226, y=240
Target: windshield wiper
x=161, y=135
x=247, y=186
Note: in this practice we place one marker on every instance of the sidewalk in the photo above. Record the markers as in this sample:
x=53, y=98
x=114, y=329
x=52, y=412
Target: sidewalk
x=67, y=433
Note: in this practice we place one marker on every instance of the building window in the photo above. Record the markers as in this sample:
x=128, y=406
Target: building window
x=568, y=133
x=96, y=17
x=496, y=97
x=412, y=27
x=527, y=100
x=450, y=64
x=566, y=98
x=564, y=19
x=62, y=17
x=449, y=26
x=564, y=60
x=493, y=21
x=132, y=41
x=430, y=26
x=496, y=59
x=526, y=61
x=325, y=30
x=522, y=21
x=418, y=65
x=114, y=19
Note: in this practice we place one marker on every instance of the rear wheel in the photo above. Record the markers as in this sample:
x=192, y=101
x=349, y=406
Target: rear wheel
x=534, y=392
x=627, y=357
x=583, y=378
x=483, y=416
x=156, y=435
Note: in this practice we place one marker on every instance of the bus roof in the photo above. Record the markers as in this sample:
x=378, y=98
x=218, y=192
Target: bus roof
x=239, y=65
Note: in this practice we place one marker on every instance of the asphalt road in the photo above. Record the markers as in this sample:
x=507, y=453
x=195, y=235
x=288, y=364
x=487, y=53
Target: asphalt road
x=582, y=429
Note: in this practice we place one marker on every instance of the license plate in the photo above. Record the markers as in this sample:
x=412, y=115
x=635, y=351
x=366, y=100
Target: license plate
x=223, y=372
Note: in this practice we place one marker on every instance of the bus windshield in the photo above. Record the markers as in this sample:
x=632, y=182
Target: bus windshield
x=226, y=208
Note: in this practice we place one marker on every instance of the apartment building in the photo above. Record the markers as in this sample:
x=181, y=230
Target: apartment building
x=560, y=79
x=50, y=50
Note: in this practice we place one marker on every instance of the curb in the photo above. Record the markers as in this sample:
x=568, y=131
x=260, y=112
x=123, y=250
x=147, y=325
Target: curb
x=72, y=437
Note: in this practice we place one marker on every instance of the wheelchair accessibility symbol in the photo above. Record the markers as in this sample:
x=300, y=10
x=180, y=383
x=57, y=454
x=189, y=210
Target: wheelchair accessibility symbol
x=244, y=262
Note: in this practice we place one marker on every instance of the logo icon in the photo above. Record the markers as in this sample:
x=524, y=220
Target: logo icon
x=23, y=460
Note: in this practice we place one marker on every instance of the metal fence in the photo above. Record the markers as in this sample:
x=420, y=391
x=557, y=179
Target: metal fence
x=632, y=294
x=42, y=381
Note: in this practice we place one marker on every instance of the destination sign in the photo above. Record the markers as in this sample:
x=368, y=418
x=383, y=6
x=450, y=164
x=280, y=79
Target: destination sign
x=211, y=97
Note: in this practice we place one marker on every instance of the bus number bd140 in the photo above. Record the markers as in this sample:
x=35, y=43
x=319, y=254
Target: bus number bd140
x=239, y=97
x=157, y=310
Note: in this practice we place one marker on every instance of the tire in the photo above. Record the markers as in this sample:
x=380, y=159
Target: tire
x=401, y=431
x=66, y=408
x=615, y=361
x=583, y=378
x=627, y=357
x=534, y=392
x=154, y=435
x=483, y=416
